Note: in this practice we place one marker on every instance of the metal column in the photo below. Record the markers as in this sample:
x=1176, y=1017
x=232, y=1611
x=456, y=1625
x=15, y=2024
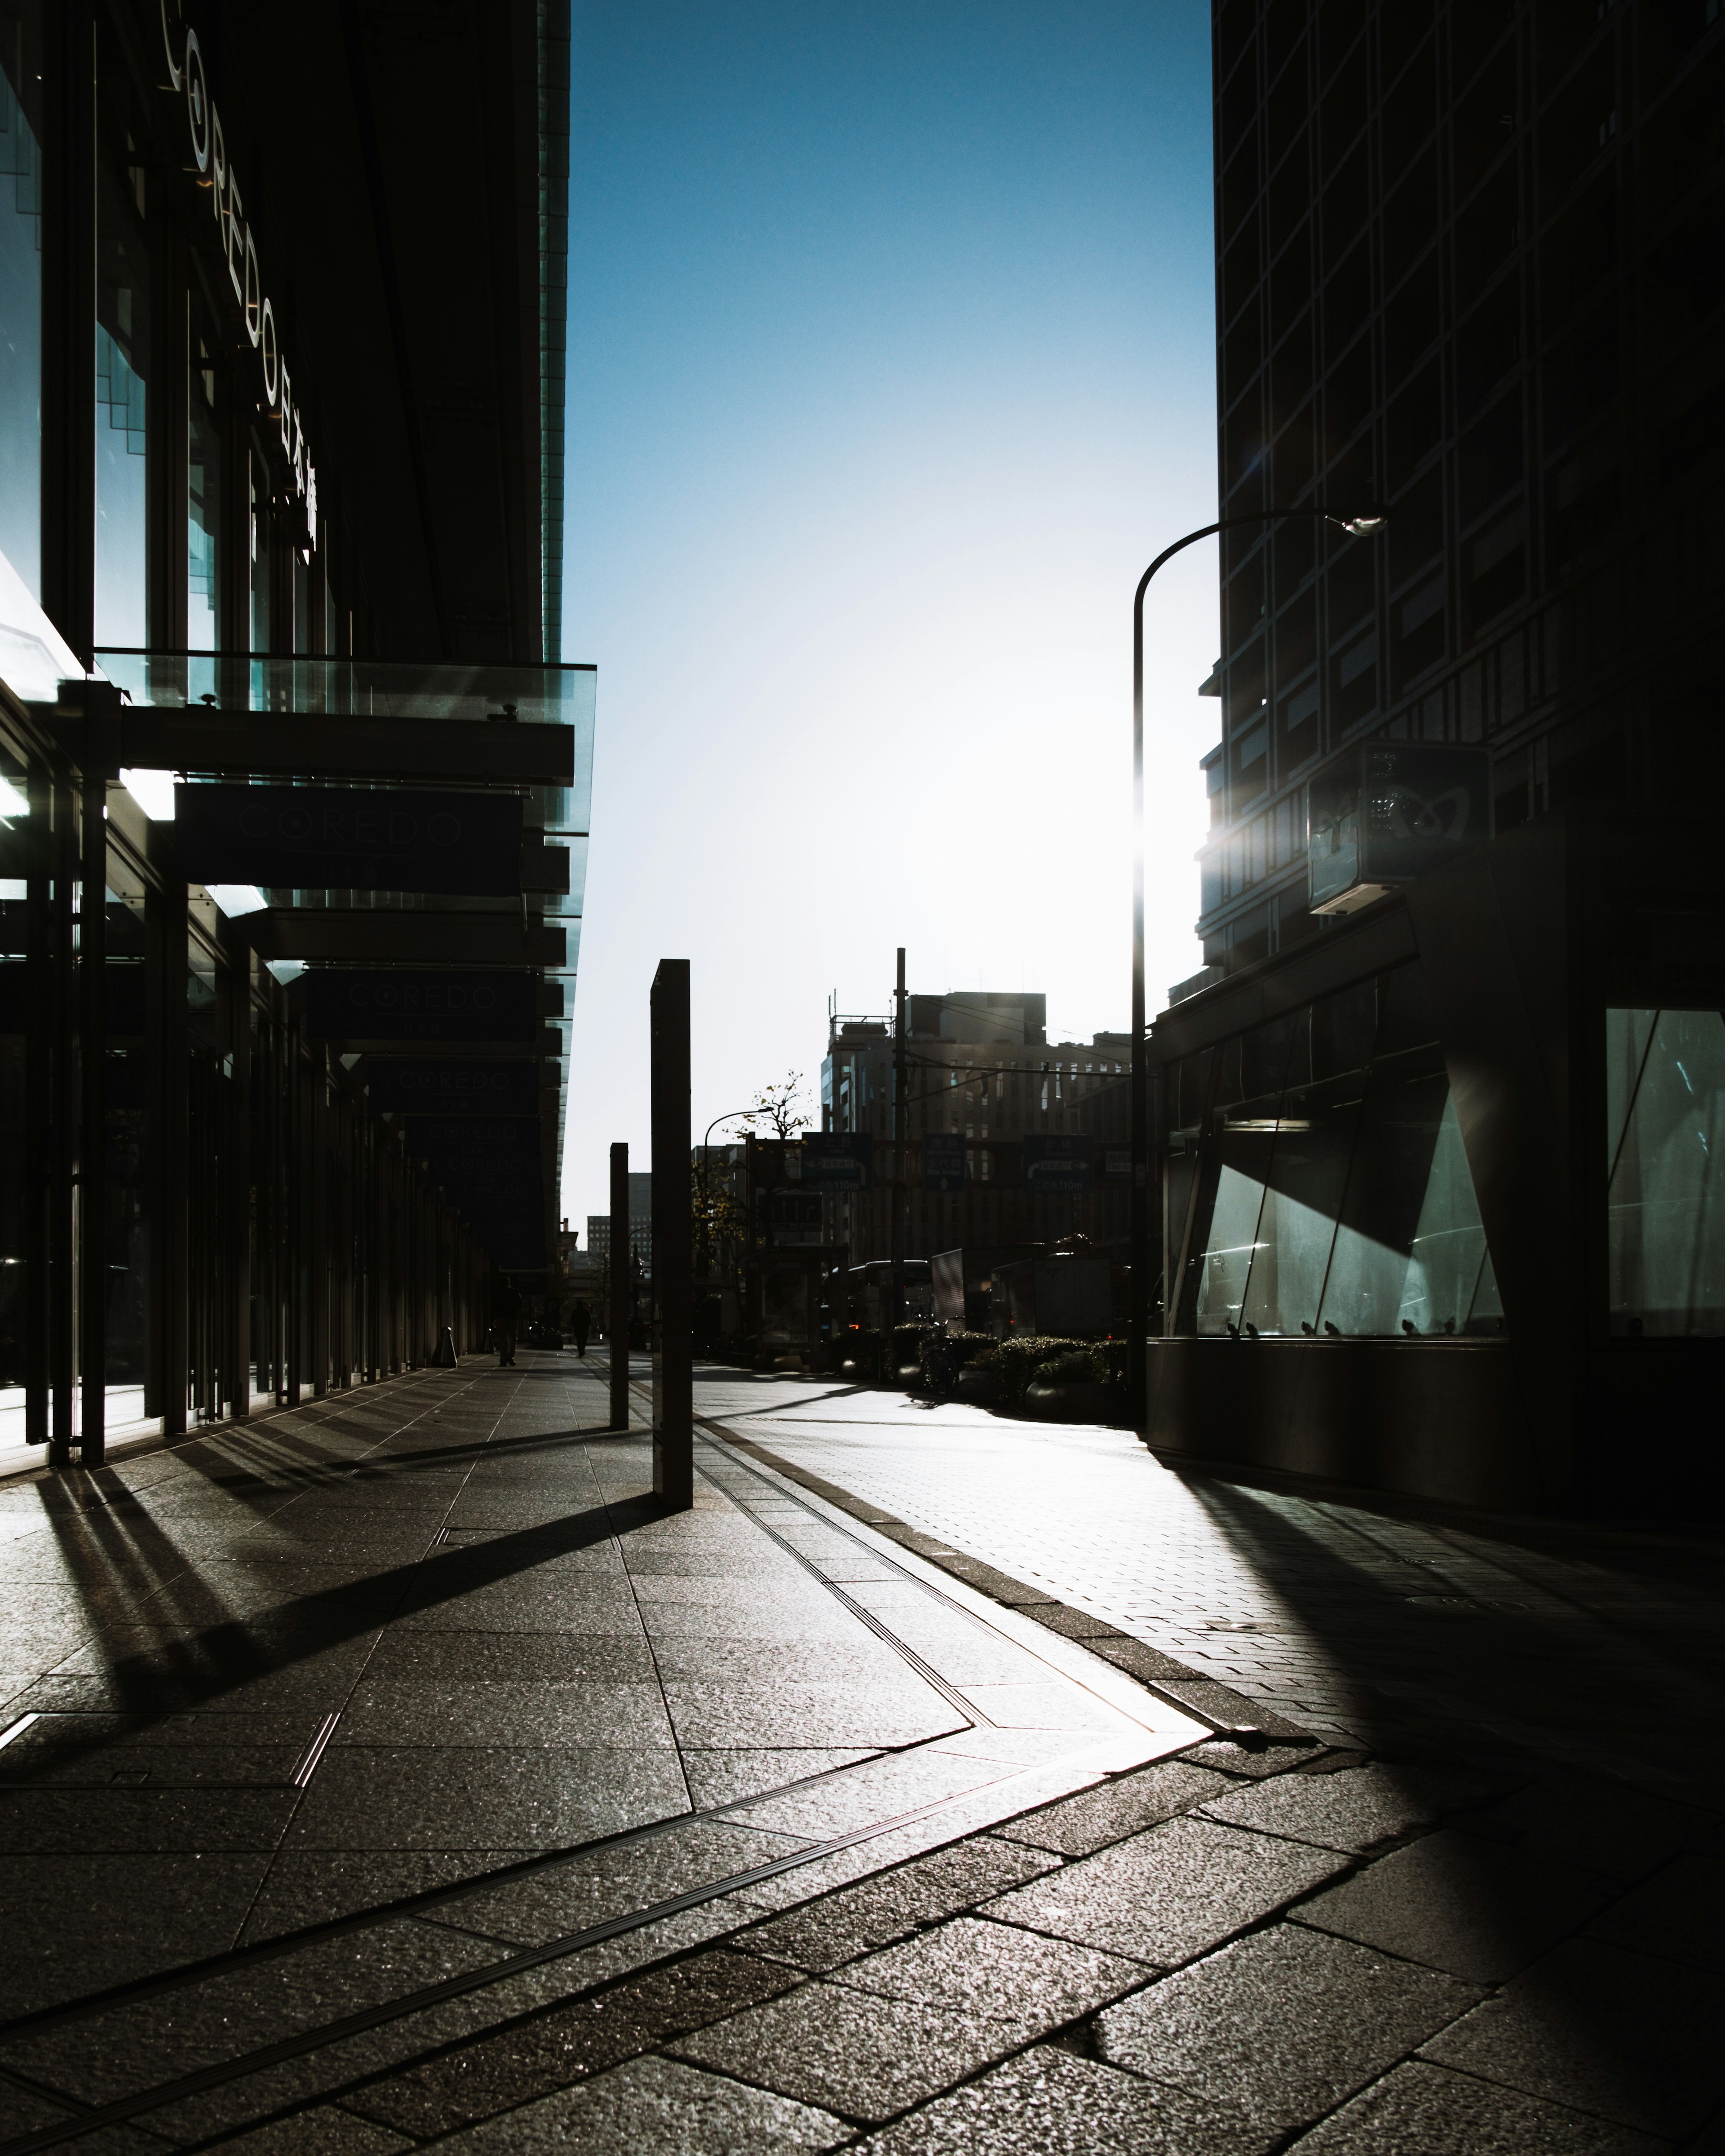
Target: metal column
x=673, y=1242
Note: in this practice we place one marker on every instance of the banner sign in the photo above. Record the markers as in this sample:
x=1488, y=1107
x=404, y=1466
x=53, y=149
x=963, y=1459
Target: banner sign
x=489, y=1168
x=346, y=838
x=444, y=1087
x=943, y=1161
x=837, y=1160
x=344, y=1002
x=1056, y=1164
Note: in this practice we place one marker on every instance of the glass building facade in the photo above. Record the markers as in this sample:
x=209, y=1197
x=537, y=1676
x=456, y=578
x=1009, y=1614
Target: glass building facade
x=231, y=553
x=1440, y=1207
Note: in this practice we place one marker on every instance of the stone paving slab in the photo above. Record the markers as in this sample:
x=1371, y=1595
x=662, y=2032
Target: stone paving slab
x=427, y=1748
x=1367, y=1625
x=1080, y=1923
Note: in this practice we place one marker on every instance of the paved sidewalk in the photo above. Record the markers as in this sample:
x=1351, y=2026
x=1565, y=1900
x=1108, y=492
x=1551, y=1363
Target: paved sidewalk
x=395, y=1774
x=1566, y=1643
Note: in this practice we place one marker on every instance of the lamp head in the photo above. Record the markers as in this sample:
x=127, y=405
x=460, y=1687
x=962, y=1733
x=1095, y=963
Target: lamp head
x=1363, y=526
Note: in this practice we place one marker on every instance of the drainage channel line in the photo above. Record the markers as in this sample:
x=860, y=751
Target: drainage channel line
x=949, y=1693
x=190, y=1974
x=301, y=1777
x=182, y=2085
x=713, y=1430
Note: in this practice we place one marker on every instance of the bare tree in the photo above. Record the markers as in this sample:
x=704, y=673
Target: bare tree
x=778, y=1108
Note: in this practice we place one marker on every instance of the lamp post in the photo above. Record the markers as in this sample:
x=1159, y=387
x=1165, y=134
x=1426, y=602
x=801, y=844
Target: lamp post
x=1362, y=524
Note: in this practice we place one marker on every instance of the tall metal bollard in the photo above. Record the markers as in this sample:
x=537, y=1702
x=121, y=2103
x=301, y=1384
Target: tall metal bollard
x=673, y=1242
x=621, y=1298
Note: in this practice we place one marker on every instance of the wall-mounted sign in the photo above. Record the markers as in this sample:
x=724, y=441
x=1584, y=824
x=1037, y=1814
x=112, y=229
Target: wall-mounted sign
x=1056, y=1164
x=209, y=156
x=346, y=1003
x=490, y=1170
x=465, y=845
x=1382, y=812
x=943, y=1161
x=438, y=1085
x=837, y=1160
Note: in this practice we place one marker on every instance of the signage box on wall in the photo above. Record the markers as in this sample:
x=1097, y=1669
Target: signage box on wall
x=355, y=1002
x=437, y=1085
x=1384, y=812
x=349, y=837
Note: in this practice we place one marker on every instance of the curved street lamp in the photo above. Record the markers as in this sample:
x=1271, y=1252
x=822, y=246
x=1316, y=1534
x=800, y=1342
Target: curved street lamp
x=1364, y=523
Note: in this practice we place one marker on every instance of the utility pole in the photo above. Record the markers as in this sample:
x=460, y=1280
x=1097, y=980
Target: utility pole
x=900, y=1131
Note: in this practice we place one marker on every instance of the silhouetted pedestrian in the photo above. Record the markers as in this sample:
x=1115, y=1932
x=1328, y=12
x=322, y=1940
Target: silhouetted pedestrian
x=506, y=1319
x=580, y=1324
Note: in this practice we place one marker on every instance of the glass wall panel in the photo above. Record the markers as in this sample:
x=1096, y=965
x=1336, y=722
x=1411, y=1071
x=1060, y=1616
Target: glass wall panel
x=1308, y=1173
x=1666, y=1126
x=203, y=506
x=21, y=294
x=15, y=1150
x=1342, y=1204
x=1240, y=1143
x=125, y=1176
x=262, y=559
x=122, y=367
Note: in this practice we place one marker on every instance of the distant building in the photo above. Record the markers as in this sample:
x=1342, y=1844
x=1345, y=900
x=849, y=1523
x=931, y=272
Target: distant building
x=640, y=1226
x=979, y=1067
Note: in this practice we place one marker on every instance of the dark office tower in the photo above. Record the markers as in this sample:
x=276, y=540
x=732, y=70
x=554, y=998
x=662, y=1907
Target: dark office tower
x=1468, y=270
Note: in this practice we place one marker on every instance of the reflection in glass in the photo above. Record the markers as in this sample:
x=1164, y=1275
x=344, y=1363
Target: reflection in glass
x=21, y=291
x=1409, y=1244
x=260, y=553
x=203, y=508
x=1343, y=1204
x=1308, y=1173
x=122, y=367
x=1665, y=1074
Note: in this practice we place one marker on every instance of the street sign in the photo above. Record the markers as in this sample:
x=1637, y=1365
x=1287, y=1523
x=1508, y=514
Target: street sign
x=437, y=1086
x=943, y=1161
x=1056, y=1164
x=837, y=1160
x=356, y=1002
x=346, y=838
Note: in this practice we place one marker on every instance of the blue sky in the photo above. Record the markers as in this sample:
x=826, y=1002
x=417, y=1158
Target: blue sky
x=892, y=363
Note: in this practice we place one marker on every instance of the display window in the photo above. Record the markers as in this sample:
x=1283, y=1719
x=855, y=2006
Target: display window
x=1328, y=1180
x=21, y=293
x=124, y=356
x=1664, y=1117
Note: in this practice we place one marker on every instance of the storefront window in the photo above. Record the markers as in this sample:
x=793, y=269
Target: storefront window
x=302, y=602
x=122, y=534
x=1341, y=1203
x=1665, y=1083
x=21, y=295
x=261, y=554
x=203, y=504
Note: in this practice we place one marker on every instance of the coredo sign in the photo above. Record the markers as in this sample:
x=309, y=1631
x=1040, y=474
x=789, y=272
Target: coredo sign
x=209, y=156
x=438, y=1084
x=331, y=838
x=355, y=1002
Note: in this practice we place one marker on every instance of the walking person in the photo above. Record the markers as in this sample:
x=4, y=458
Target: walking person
x=580, y=1324
x=506, y=1319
